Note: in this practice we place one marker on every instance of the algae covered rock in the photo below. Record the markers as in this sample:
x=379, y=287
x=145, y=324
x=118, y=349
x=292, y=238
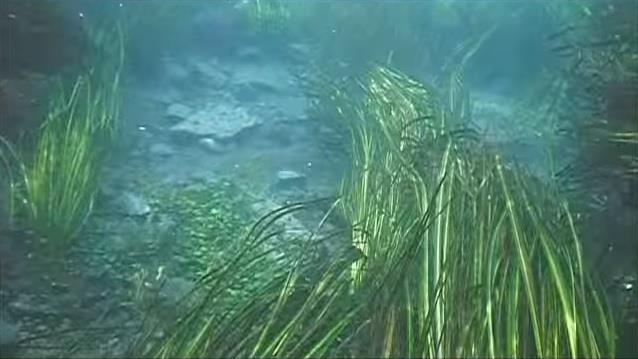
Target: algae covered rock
x=222, y=121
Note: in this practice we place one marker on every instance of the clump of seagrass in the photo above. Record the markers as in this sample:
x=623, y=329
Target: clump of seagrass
x=453, y=254
x=53, y=182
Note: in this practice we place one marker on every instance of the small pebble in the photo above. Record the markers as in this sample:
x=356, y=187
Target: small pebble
x=66, y=324
x=628, y=286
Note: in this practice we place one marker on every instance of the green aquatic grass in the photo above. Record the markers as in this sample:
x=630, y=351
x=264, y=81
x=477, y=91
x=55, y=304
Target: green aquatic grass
x=61, y=179
x=498, y=271
x=268, y=16
x=54, y=181
x=294, y=313
x=453, y=253
x=52, y=191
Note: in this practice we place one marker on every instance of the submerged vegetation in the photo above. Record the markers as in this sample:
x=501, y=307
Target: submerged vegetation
x=498, y=249
x=595, y=90
x=209, y=222
x=448, y=249
x=55, y=180
x=453, y=254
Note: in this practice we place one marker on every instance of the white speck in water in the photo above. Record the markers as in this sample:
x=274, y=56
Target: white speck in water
x=309, y=164
x=334, y=31
x=121, y=4
x=236, y=165
x=141, y=128
x=81, y=14
x=160, y=273
x=628, y=286
x=11, y=16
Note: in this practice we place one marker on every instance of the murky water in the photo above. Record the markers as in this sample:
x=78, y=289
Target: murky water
x=219, y=122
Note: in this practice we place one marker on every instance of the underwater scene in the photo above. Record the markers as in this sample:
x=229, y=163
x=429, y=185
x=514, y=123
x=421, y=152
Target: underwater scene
x=318, y=179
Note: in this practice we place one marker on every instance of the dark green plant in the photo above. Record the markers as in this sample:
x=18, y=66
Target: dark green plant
x=499, y=270
x=211, y=218
x=594, y=89
x=266, y=16
x=55, y=181
x=292, y=313
x=453, y=254
x=61, y=179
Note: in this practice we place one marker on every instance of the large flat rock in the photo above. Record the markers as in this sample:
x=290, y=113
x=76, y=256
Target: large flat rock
x=221, y=121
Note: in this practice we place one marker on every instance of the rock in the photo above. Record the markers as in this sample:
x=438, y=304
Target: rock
x=174, y=289
x=299, y=52
x=59, y=287
x=178, y=110
x=222, y=121
x=8, y=333
x=166, y=95
x=161, y=150
x=249, y=53
x=290, y=222
x=517, y=131
x=291, y=107
x=175, y=70
x=209, y=72
x=290, y=180
x=24, y=303
x=491, y=117
x=247, y=92
x=132, y=204
x=266, y=78
x=211, y=145
x=65, y=325
x=41, y=328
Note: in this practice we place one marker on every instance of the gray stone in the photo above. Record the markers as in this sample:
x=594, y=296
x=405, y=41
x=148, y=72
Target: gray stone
x=65, y=325
x=178, y=110
x=221, y=121
x=132, y=204
x=491, y=118
x=520, y=132
x=291, y=107
x=162, y=150
x=299, y=52
x=211, y=145
x=59, y=287
x=175, y=70
x=290, y=180
x=247, y=92
x=165, y=95
x=174, y=289
x=209, y=72
x=267, y=78
x=292, y=225
x=8, y=333
x=24, y=303
x=249, y=53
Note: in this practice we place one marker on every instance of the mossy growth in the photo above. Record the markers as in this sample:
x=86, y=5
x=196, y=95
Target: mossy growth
x=210, y=218
x=211, y=221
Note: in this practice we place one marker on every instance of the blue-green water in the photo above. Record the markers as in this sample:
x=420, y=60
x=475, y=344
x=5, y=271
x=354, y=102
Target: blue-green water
x=222, y=118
